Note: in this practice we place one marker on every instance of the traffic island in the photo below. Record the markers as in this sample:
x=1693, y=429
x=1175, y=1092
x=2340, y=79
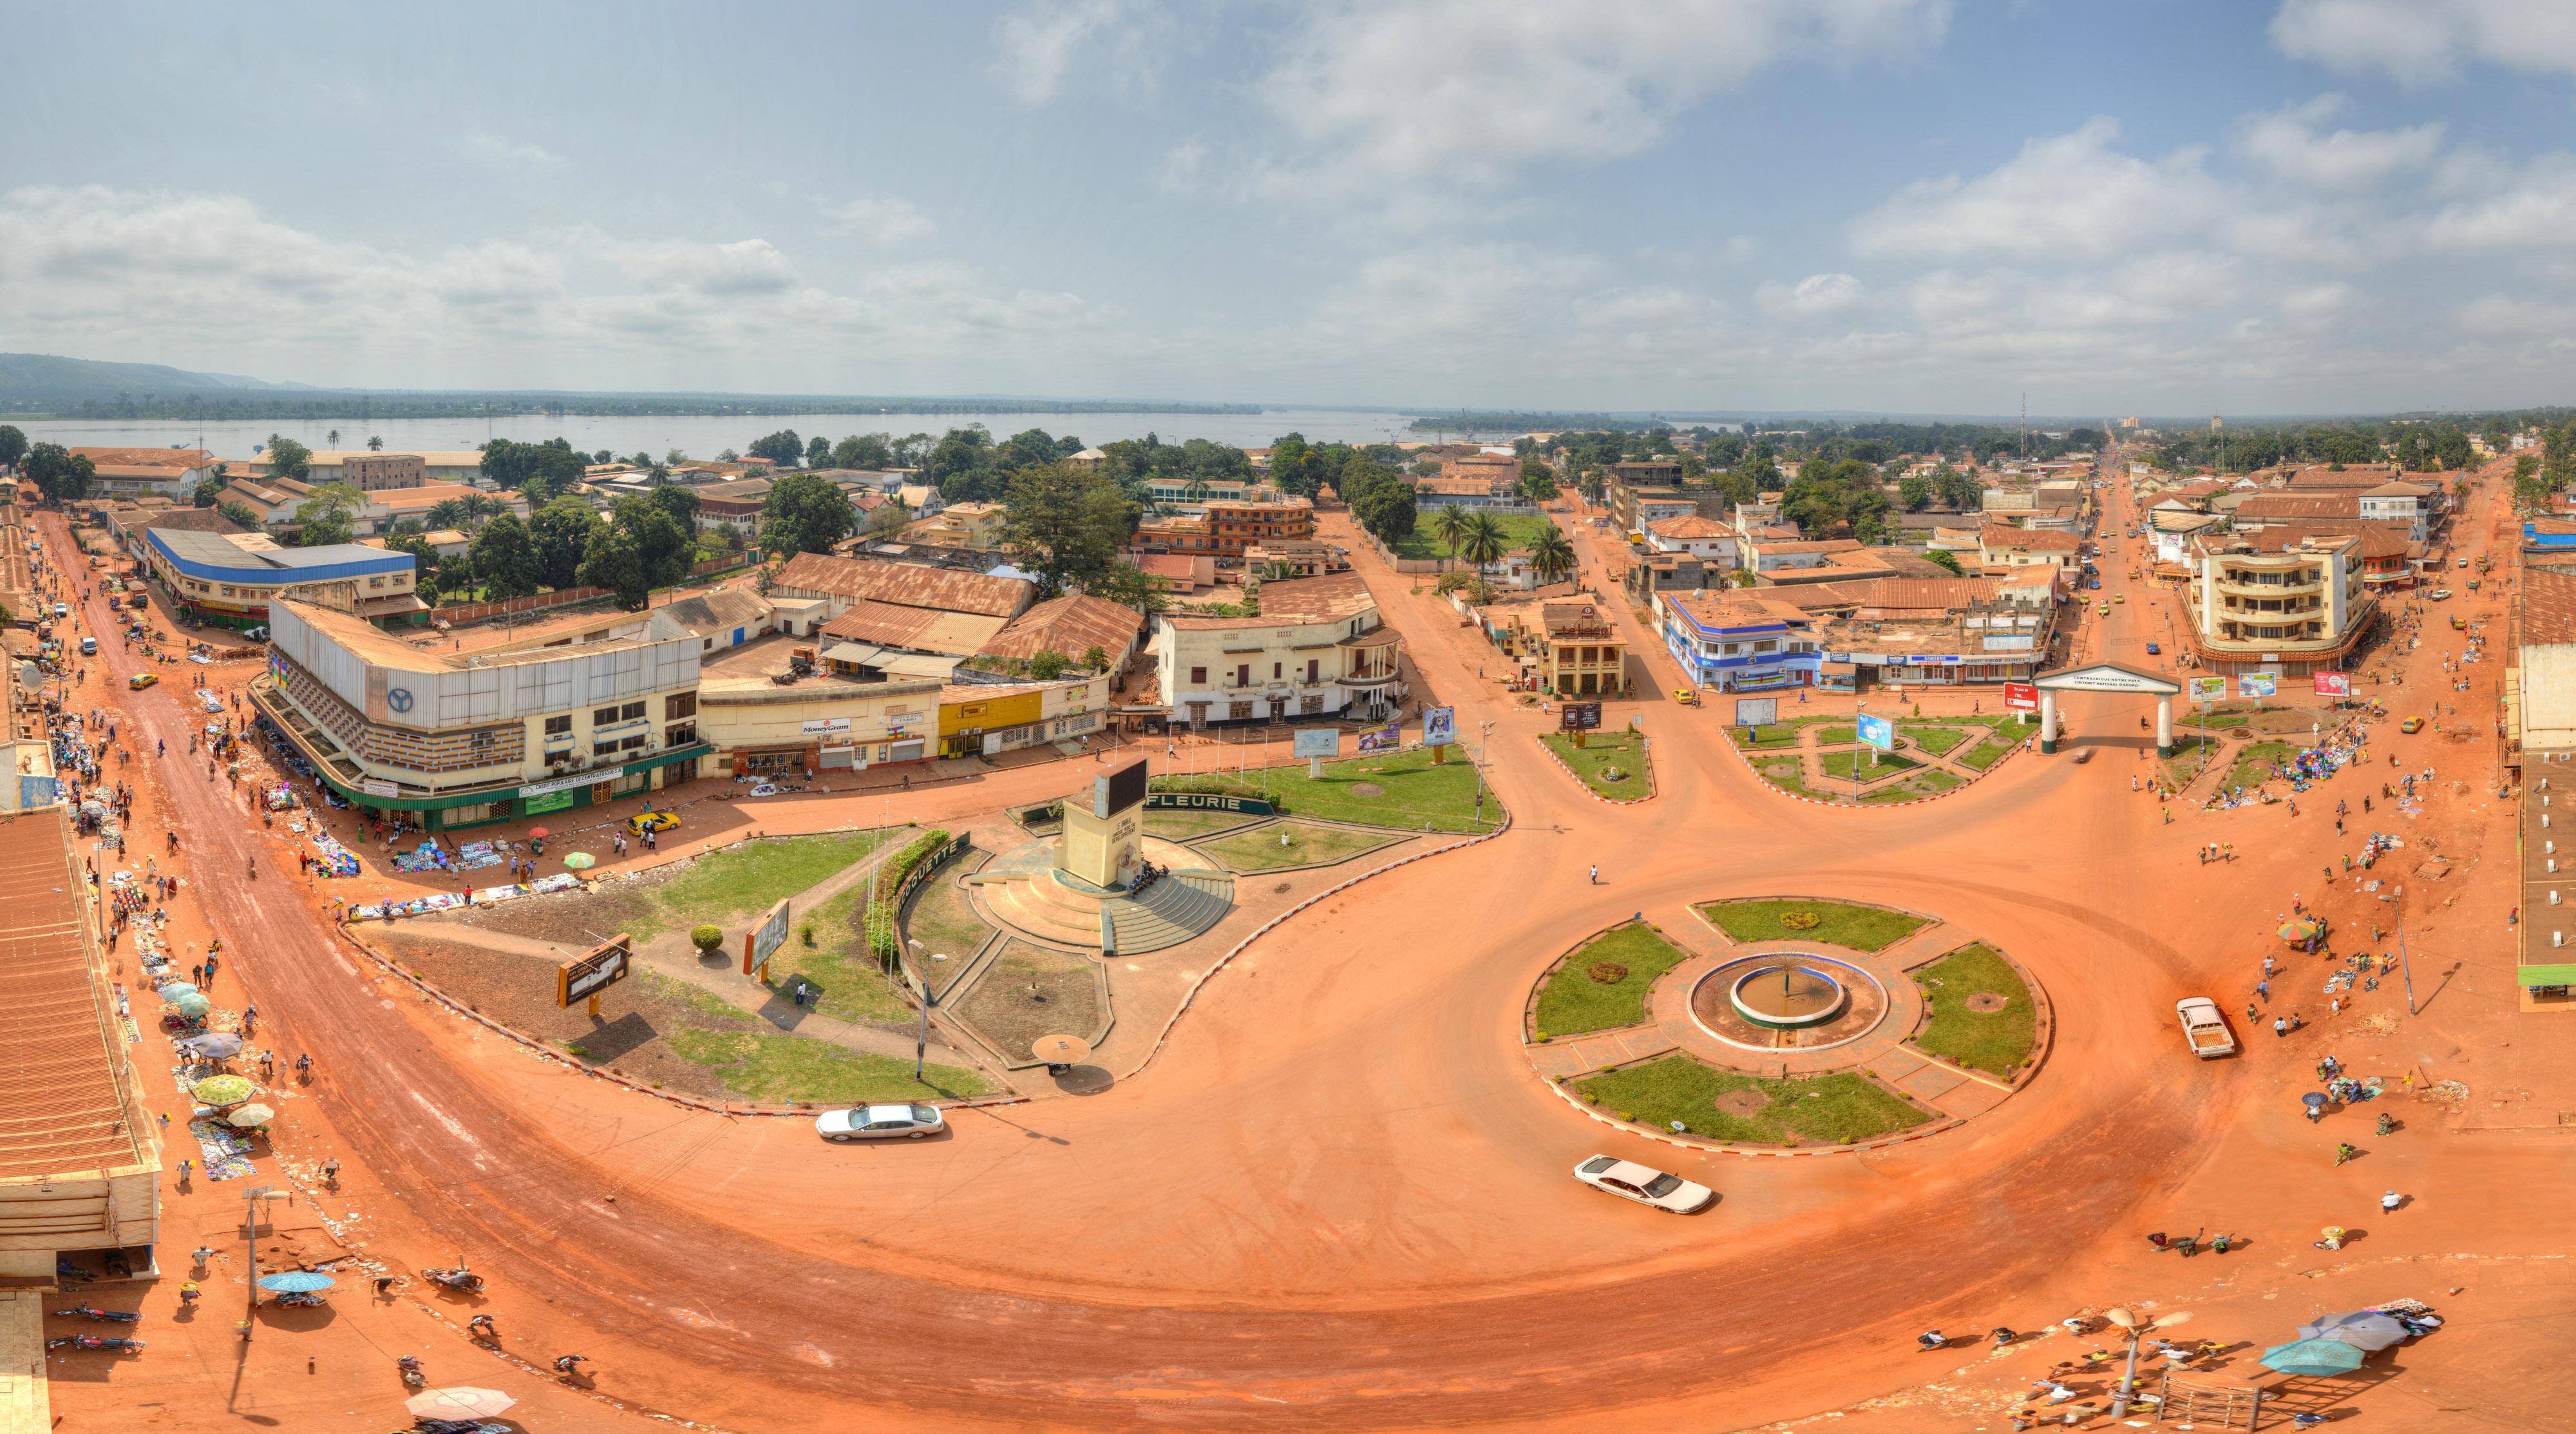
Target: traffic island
x=1612, y=766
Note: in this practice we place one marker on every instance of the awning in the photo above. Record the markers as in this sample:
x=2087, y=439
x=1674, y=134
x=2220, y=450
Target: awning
x=859, y=653
x=2562, y=975
x=391, y=606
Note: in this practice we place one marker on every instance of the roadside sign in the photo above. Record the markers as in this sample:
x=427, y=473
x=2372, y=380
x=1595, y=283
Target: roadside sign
x=762, y=941
x=1382, y=739
x=1756, y=711
x=1878, y=732
x=1317, y=742
x=2208, y=689
x=2334, y=684
x=1439, y=726
x=1578, y=716
x=585, y=978
x=2258, y=684
x=2021, y=697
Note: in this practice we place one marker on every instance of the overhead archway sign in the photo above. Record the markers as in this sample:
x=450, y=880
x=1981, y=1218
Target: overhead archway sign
x=2114, y=677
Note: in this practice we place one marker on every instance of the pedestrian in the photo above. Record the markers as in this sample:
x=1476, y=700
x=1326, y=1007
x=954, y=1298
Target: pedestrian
x=2158, y=1240
x=197, y=974
x=483, y=1325
x=384, y=1285
x=1596, y=876
x=2389, y=1202
x=201, y=1254
x=331, y=1170
x=2263, y=989
x=2346, y=1152
x=566, y=1365
x=189, y=1292
x=2280, y=1025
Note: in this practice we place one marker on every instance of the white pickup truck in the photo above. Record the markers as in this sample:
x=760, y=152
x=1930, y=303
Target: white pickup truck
x=2204, y=1027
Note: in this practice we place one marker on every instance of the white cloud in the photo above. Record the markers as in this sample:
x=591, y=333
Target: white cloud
x=2533, y=208
x=2419, y=42
x=886, y=221
x=1814, y=296
x=1181, y=167
x=485, y=145
x=1040, y=42
x=1470, y=93
x=745, y=266
x=2286, y=142
x=2317, y=305
x=2063, y=196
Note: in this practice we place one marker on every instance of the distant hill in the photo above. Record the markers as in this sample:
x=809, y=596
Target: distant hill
x=51, y=378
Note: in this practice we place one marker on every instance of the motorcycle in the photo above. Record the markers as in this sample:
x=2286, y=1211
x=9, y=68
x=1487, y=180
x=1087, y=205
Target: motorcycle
x=93, y=1341
x=459, y=1278
x=411, y=1373
x=117, y=1316
x=304, y=1298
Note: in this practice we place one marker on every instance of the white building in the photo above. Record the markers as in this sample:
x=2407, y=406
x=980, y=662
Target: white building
x=1697, y=536
x=2409, y=503
x=1317, y=650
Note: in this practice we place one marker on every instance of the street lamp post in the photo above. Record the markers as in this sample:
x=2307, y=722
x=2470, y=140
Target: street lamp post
x=1857, y=709
x=1485, y=736
x=250, y=1204
x=2129, y=1323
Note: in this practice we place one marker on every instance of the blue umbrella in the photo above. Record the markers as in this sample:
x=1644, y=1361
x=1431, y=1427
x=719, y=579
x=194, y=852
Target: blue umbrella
x=2313, y=1356
x=296, y=1282
x=173, y=990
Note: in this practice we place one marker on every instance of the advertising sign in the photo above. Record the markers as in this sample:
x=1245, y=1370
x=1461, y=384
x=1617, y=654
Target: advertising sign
x=1756, y=711
x=1382, y=739
x=584, y=979
x=2257, y=684
x=1207, y=802
x=1878, y=732
x=2334, y=684
x=762, y=941
x=1318, y=742
x=2021, y=697
x=824, y=726
x=553, y=802
x=375, y=788
x=1577, y=716
x=1439, y=726
x=1119, y=790
x=2208, y=689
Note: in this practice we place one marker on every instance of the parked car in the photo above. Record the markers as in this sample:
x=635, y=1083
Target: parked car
x=141, y=680
x=61, y=612
x=2411, y=725
x=1644, y=1184
x=2154, y=650
x=2441, y=594
x=880, y=1122
x=643, y=822
x=2464, y=562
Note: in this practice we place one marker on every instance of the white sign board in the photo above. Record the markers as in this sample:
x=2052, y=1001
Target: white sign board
x=2107, y=679
x=1318, y=742
x=1439, y=726
x=375, y=788
x=826, y=726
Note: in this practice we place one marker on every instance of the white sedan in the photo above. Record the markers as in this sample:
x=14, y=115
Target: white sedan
x=880, y=1122
x=1643, y=1184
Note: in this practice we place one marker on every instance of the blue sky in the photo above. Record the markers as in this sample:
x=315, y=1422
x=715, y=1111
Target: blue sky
x=1903, y=205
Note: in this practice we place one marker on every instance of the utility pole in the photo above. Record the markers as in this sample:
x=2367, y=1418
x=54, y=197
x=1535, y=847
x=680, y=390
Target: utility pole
x=250, y=1205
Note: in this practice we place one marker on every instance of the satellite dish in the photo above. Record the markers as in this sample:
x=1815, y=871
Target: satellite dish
x=1060, y=1051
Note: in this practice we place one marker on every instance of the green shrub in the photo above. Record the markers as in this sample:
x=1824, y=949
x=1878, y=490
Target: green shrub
x=706, y=938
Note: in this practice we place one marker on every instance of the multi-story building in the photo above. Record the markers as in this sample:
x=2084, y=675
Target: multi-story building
x=1580, y=652
x=1739, y=642
x=232, y=579
x=2259, y=604
x=1317, y=650
x=368, y=472
x=1694, y=536
x=462, y=737
x=1229, y=528
x=172, y=473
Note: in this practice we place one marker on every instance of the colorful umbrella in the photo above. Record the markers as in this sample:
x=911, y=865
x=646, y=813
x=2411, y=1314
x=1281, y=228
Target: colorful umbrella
x=535, y=832
x=2313, y=1356
x=2362, y=1329
x=213, y=1046
x=296, y=1282
x=579, y=860
x=191, y=1005
x=173, y=990
x=459, y=1404
x=223, y=1090
x=2298, y=932
x=250, y=1115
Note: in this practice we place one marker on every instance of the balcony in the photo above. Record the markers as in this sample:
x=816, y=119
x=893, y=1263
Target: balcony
x=2238, y=588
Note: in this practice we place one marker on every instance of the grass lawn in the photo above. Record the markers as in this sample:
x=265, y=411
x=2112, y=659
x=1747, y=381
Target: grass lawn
x=945, y=923
x=1862, y=928
x=746, y=879
x=1519, y=529
x=785, y=1068
x=851, y=984
x=2187, y=759
x=1842, y=736
x=1935, y=740
x=1259, y=849
x=679, y=992
x=1930, y=782
x=1994, y=1041
x=1839, y=764
x=1778, y=734
x=2254, y=763
x=1987, y=754
x=1572, y=1002
x=1411, y=792
x=1590, y=761
x=1181, y=826
x=1834, y=1109
x=1790, y=776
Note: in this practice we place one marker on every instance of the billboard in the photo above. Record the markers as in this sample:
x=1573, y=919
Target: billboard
x=1439, y=726
x=1878, y=732
x=1119, y=790
x=1756, y=711
x=1318, y=742
x=2334, y=684
x=582, y=979
x=1573, y=716
x=2021, y=697
x=2208, y=689
x=762, y=941
x=1382, y=739
x=2257, y=684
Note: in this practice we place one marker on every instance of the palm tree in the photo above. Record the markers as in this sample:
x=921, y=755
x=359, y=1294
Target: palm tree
x=1449, y=525
x=1551, y=554
x=331, y=439
x=375, y=444
x=1196, y=492
x=1485, y=540
x=445, y=513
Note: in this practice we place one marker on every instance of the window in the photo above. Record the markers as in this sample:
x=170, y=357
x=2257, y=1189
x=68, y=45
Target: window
x=1243, y=675
x=1238, y=711
x=375, y=582
x=1314, y=669
x=603, y=716
x=1274, y=671
x=604, y=749
x=630, y=712
x=680, y=736
x=559, y=726
x=679, y=705
x=1766, y=646
x=1198, y=677
x=631, y=743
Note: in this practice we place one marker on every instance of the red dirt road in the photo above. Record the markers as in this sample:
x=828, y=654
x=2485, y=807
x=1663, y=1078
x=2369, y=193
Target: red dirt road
x=1339, y=1200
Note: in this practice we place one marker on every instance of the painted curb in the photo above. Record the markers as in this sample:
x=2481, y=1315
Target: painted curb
x=1649, y=764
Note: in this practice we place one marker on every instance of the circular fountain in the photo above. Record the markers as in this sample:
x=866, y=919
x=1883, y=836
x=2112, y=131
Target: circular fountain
x=1788, y=993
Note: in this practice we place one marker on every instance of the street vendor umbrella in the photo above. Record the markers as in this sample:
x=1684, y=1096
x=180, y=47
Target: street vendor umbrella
x=214, y=1046
x=459, y=1404
x=173, y=990
x=2362, y=1329
x=2313, y=1356
x=250, y=1115
x=296, y=1282
x=536, y=832
x=2298, y=931
x=222, y=1090
x=580, y=859
x=191, y=1005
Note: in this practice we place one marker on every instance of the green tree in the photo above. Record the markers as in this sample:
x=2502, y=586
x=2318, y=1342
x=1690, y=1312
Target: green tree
x=1048, y=665
x=783, y=448
x=615, y=562
x=1551, y=555
x=1449, y=526
x=1914, y=491
x=538, y=472
x=504, y=559
x=818, y=451
x=665, y=547
x=561, y=531
x=13, y=445
x=209, y=492
x=1296, y=467
x=1124, y=582
x=328, y=516
x=680, y=501
x=1067, y=524
x=1486, y=541
x=1941, y=557
x=242, y=514
x=2530, y=494
x=60, y=474
x=964, y=466
x=804, y=514
x=728, y=537
x=871, y=451
x=375, y=444
x=288, y=458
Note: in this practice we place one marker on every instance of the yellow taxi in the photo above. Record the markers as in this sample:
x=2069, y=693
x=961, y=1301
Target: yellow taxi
x=1686, y=697
x=2102, y=608
x=2411, y=725
x=2119, y=597
x=141, y=680
x=643, y=822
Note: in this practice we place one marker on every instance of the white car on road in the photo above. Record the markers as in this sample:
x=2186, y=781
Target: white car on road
x=880, y=1122
x=1644, y=1184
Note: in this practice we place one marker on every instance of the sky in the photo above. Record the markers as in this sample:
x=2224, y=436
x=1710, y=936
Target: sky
x=2112, y=206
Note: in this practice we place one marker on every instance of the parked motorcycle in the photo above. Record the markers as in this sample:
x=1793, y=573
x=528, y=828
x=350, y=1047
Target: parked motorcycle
x=118, y=1316
x=459, y=1278
x=93, y=1341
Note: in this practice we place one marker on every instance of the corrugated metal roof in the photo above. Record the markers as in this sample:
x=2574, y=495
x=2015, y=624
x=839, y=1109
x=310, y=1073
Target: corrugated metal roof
x=908, y=584
x=1072, y=625
x=893, y=625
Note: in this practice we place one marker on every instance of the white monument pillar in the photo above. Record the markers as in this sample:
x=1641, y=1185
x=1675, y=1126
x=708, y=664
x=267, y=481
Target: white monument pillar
x=2048, y=720
x=2164, y=724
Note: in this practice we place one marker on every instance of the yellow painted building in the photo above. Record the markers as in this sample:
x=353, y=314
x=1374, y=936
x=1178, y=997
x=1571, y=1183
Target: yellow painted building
x=976, y=720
